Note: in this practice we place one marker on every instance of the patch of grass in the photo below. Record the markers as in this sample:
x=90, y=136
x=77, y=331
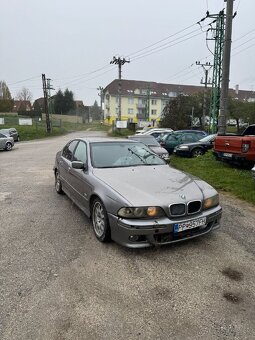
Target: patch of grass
x=221, y=176
x=38, y=129
x=121, y=133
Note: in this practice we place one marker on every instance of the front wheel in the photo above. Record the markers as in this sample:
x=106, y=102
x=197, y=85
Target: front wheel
x=100, y=221
x=197, y=152
x=58, y=184
x=8, y=146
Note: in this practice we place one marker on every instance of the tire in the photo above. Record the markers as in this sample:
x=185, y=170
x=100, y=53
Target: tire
x=58, y=184
x=8, y=146
x=100, y=221
x=197, y=152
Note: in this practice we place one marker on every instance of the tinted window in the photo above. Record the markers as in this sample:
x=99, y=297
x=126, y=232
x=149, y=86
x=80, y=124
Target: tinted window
x=2, y=136
x=188, y=138
x=81, y=153
x=68, y=150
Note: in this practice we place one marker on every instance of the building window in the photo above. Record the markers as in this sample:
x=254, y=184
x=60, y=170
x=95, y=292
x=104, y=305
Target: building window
x=130, y=100
x=154, y=102
x=153, y=112
x=130, y=111
x=117, y=100
x=141, y=101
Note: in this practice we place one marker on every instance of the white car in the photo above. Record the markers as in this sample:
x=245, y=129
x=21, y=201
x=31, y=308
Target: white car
x=155, y=132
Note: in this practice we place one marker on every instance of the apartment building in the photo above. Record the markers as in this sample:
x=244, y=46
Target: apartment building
x=144, y=101
x=141, y=100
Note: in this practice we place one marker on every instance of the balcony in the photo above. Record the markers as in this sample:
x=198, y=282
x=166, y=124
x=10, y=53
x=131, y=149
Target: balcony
x=141, y=106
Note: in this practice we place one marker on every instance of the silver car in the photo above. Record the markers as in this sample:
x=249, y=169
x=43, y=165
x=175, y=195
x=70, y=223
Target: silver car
x=6, y=142
x=132, y=196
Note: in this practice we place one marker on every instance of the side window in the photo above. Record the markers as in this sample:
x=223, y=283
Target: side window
x=68, y=150
x=188, y=138
x=81, y=153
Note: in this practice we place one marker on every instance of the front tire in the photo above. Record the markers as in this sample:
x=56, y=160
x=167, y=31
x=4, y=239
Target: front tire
x=100, y=221
x=8, y=146
x=58, y=184
x=197, y=152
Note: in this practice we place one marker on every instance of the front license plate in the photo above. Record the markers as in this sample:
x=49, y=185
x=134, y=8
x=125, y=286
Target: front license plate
x=179, y=227
x=226, y=154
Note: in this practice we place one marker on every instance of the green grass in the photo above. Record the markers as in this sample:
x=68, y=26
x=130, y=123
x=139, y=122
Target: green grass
x=121, y=133
x=38, y=129
x=220, y=175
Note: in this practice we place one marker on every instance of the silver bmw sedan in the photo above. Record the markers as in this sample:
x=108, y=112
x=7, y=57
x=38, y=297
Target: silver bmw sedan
x=132, y=195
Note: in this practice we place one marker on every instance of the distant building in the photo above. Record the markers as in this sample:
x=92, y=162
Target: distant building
x=22, y=105
x=145, y=101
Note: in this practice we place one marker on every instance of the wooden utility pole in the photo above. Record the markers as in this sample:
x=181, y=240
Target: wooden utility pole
x=119, y=61
x=46, y=106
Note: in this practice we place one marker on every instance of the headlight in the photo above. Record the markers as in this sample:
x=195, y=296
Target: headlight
x=211, y=202
x=141, y=212
x=183, y=147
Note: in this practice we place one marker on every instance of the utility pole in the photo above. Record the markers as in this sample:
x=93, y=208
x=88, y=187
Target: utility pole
x=225, y=68
x=46, y=108
x=101, y=94
x=49, y=87
x=206, y=67
x=119, y=61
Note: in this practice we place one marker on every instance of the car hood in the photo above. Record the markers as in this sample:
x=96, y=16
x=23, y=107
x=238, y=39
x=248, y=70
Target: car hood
x=158, y=150
x=153, y=185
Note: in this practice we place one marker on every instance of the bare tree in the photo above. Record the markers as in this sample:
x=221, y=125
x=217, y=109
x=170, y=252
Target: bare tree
x=24, y=95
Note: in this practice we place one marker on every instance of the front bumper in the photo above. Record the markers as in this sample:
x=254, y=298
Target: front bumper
x=145, y=233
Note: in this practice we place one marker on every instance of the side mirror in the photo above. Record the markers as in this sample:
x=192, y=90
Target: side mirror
x=78, y=165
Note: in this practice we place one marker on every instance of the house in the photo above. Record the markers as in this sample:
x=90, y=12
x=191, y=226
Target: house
x=22, y=105
x=144, y=101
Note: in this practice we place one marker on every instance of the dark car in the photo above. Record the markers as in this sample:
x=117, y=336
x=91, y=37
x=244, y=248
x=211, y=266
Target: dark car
x=161, y=137
x=195, y=149
x=151, y=142
x=12, y=132
x=171, y=140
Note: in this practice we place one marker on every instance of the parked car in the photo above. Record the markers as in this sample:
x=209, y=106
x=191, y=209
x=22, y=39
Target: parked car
x=151, y=142
x=171, y=140
x=12, y=132
x=155, y=132
x=199, y=132
x=6, y=142
x=131, y=195
x=236, y=149
x=195, y=149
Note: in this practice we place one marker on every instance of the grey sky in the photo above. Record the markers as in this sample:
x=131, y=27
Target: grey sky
x=70, y=40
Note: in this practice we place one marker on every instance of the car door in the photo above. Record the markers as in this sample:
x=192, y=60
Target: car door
x=2, y=141
x=170, y=142
x=79, y=178
x=65, y=165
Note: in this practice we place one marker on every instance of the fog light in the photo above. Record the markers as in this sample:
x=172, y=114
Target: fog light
x=133, y=238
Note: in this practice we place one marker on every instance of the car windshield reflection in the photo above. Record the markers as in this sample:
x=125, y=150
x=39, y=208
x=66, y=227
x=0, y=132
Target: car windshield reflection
x=122, y=154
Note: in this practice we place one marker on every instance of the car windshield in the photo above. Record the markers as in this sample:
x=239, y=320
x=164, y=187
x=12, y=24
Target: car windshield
x=122, y=154
x=148, y=140
x=208, y=138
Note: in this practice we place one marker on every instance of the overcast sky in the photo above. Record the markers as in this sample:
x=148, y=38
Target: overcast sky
x=73, y=42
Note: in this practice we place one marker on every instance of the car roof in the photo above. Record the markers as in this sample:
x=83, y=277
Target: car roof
x=102, y=139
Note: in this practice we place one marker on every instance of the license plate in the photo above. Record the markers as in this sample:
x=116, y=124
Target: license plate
x=179, y=227
x=226, y=154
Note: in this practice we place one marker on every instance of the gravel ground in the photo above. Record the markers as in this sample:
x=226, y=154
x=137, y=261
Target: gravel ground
x=58, y=282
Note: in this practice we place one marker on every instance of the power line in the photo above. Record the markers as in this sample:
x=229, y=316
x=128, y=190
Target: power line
x=158, y=42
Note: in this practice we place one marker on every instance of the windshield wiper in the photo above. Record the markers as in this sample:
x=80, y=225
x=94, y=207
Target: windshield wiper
x=137, y=155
